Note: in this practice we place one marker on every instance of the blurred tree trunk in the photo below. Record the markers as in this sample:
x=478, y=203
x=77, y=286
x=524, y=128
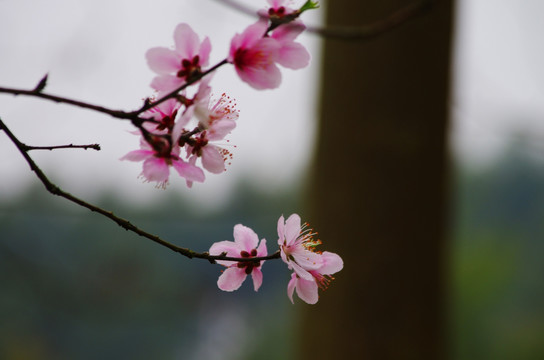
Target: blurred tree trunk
x=379, y=188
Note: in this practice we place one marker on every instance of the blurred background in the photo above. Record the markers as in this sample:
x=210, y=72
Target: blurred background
x=76, y=286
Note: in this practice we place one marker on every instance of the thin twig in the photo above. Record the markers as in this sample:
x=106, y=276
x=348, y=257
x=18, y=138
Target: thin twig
x=133, y=116
x=376, y=28
x=70, y=146
x=59, y=99
x=127, y=225
x=174, y=93
x=353, y=33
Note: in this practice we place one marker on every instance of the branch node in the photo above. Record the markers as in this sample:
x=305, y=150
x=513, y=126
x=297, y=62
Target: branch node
x=41, y=85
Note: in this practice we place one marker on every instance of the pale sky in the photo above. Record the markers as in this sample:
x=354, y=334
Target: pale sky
x=499, y=78
x=94, y=51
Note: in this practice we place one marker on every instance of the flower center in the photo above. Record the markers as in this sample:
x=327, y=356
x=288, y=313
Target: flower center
x=322, y=281
x=306, y=237
x=198, y=143
x=189, y=68
x=248, y=265
x=162, y=146
x=241, y=58
x=167, y=122
x=279, y=12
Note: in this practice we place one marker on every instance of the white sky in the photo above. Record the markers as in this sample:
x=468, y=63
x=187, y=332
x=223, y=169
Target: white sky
x=499, y=92
x=94, y=51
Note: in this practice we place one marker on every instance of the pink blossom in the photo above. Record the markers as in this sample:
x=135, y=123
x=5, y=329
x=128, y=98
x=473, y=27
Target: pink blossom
x=278, y=9
x=165, y=115
x=296, y=246
x=245, y=245
x=254, y=57
x=192, y=161
x=291, y=54
x=177, y=66
x=213, y=157
x=307, y=289
x=311, y=269
x=157, y=160
x=217, y=119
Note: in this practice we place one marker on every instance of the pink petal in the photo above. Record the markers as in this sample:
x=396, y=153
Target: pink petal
x=180, y=123
x=231, y=279
x=162, y=60
x=156, y=169
x=245, y=237
x=261, y=250
x=254, y=32
x=292, y=228
x=251, y=35
x=284, y=258
x=230, y=247
x=291, y=286
x=293, y=56
x=204, y=52
x=288, y=32
x=268, y=77
x=257, y=276
x=137, y=155
x=332, y=263
x=166, y=83
x=307, y=259
x=169, y=106
x=188, y=171
x=186, y=41
x=307, y=290
x=192, y=161
x=202, y=96
x=281, y=234
x=301, y=272
x=220, y=128
x=212, y=160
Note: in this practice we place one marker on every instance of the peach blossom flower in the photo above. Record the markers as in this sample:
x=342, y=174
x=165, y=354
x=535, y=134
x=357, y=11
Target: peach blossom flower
x=245, y=245
x=177, y=66
x=254, y=57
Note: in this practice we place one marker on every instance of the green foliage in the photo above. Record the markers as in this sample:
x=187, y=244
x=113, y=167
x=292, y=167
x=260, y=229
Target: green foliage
x=309, y=5
x=498, y=291
x=77, y=286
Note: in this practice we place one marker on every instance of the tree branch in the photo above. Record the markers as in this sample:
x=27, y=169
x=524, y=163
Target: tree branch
x=365, y=32
x=376, y=28
x=59, y=99
x=70, y=146
x=133, y=116
x=127, y=225
x=174, y=93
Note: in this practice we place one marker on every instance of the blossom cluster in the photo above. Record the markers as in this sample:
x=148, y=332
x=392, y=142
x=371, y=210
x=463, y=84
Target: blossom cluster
x=311, y=269
x=184, y=95
x=168, y=138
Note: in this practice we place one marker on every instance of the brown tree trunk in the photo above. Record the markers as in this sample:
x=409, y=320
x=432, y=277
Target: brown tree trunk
x=379, y=188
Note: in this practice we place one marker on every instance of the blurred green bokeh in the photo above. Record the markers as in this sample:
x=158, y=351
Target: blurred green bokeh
x=76, y=286
x=497, y=262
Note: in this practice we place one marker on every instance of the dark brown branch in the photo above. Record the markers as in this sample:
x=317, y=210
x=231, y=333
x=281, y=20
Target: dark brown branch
x=70, y=146
x=148, y=105
x=366, y=32
x=133, y=116
x=59, y=99
x=125, y=224
x=374, y=29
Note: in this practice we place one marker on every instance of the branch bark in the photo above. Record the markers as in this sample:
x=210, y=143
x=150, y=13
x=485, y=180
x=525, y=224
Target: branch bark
x=125, y=224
